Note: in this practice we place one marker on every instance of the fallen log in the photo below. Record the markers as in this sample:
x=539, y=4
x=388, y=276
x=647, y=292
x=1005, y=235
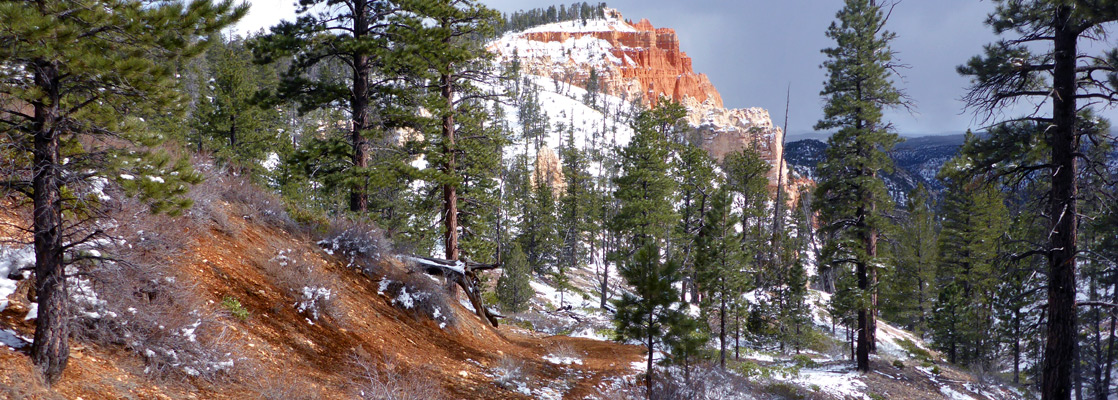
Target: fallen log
x=463, y=273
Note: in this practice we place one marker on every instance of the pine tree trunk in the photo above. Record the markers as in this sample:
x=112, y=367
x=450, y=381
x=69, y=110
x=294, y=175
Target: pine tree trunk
x=648, y=375
x=1016, y=346
x=1109, y=349
x=865, y=316
x=232, y=132
x=359, y=108
x=722, y=328
x=51, y=350
x=1060, y=345
x=450, y=191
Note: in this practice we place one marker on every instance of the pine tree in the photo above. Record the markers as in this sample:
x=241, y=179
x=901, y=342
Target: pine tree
x=909, y=289
x=71, y=82
x=366, y=51
x=228, y=120
x=514, y=290
x=747, y=177
x=651, y=312
x=538, y=235
x=574, y=212
x=1047, y=62
x=453, y=60
x=851, y=197
x=974, y=216
x=644, y=189
x=694, y=171
x=718, y=262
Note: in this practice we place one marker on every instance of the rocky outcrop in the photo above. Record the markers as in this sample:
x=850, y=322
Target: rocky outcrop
x=549, y=169
x=639, y=61
x=643, y=61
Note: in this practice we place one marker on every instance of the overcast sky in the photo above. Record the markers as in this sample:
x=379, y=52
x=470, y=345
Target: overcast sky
x=753, y=49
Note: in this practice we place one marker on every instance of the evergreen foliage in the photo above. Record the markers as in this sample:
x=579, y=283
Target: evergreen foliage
x=695, y=178
x=909, y=288
x=652, y=312
x=1048, y=61
x=521, y=20
x=228, y=121
x=574, y=213
x=719, y=265
x=974, y=216
x=539, y=236
x=80, y=84
x=513, y=288
x=851, y=197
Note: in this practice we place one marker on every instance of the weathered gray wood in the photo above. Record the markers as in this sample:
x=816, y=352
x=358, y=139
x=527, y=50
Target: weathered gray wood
x=462, y=273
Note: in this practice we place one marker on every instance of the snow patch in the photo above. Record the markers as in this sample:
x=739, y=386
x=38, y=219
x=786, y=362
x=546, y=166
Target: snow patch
x=12, y=260
x=562, y=360
x=12, y=339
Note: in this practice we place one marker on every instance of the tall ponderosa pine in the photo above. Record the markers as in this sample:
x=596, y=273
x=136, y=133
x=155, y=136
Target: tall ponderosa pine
x=538, y=234
x=1044, y=64
x=574, y=212
x=694, y=171
x=747, y=177
x=644, y=190
x=851, y=197
x=75, y=75
x=453, y=59
x=354, y=35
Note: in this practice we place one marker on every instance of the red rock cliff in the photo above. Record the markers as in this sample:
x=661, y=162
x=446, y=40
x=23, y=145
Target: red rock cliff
x=648, y=55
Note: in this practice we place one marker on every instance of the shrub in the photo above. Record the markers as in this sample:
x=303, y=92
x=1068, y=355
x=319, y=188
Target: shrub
x=420, y=296
x=916, y=351
x=361, y=245
x=311, y=288
x=393, y=381
x=509, y=370
x=898, y=364
x=233, y=305
x=803, y=361
x=784, y=390
x=936, y=370
x=128, y=296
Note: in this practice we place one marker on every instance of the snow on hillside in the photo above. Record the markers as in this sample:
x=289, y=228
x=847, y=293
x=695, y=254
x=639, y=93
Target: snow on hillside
x=585, y=50
x=591, y=25
x=591, y=127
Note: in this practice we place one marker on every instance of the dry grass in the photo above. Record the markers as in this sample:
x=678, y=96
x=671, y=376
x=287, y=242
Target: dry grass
x=132, y=297
x=390, y=380
x=509, y=370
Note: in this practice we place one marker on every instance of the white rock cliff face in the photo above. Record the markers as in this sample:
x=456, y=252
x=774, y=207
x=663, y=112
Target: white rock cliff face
x=637, y=61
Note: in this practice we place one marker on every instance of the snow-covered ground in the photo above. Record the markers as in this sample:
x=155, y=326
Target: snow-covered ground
x=13, y=259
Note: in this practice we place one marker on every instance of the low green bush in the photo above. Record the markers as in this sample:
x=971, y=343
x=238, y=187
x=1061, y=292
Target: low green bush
x=234, y=307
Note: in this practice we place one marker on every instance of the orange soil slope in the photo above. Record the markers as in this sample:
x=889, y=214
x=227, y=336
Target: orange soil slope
x=283, y=348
